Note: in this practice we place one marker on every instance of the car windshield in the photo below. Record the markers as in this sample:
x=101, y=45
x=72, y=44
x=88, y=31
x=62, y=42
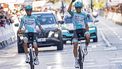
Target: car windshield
x=68, y=20
x=46, y=18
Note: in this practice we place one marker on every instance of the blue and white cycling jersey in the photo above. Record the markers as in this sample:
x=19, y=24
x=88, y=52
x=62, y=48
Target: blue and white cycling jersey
x=79, y=19
x=29, y=22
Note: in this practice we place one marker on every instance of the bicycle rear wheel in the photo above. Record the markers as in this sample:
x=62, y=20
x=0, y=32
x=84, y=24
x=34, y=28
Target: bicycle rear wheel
x=31, y=60
x=80, y=60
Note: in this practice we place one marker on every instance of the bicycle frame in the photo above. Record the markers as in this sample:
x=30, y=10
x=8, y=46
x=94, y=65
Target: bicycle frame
x=31, y=55
x=81, y=56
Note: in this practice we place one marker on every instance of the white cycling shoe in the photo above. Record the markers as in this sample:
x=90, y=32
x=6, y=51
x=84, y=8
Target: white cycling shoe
x=76, y=64
x=36, y=61
x=27, y=59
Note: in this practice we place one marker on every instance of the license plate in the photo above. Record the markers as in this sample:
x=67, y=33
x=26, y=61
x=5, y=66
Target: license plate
x=41, y=39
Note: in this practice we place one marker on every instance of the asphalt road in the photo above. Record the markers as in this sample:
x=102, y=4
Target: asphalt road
x=104, y=54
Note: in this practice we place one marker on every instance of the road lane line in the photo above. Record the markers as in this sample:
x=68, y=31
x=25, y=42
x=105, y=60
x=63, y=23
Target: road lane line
x=111, y=29
x=49, y=67
x=105, y=40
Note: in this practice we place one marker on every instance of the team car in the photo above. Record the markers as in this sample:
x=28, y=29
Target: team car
x=51, y=34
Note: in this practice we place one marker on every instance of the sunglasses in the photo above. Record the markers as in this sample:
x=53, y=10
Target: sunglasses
x=28, y=9
x=1, y=17
x=78, y=7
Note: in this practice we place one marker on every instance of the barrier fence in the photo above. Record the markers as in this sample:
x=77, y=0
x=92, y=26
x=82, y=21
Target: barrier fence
x=7, y=36
x=116, y=17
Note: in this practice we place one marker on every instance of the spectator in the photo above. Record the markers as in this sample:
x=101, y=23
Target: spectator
x=6, y=15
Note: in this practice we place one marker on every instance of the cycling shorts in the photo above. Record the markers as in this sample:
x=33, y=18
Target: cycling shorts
x=79, y=33
x=26, y=39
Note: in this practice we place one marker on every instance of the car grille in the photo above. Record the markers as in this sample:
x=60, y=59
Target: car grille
x=93, y=34
x=71, y=31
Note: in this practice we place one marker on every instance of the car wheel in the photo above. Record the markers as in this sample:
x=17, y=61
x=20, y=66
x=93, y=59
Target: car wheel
x=60, y=44
x=20, y=45
x=64, y=42
x=95, y=39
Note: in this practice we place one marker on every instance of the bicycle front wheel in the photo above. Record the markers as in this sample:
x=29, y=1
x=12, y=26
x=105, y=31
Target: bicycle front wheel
x=31, y=59
x=80, y=60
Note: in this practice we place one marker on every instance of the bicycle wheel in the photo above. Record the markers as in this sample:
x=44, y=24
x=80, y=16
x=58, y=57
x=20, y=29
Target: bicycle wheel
x=80, y=58
x=31, y=59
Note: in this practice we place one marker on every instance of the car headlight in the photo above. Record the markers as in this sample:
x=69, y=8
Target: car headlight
x=65, y=31
x=21, y=37
x=50, y=33
x=56, y=35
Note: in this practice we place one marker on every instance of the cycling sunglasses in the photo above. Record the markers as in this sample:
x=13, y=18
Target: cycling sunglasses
x=78, y=7
x=1, y=17
x=28, y=9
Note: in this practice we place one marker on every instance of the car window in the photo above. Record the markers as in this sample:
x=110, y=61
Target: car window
x=46, y=18
x=89, y=18
x=68, y=20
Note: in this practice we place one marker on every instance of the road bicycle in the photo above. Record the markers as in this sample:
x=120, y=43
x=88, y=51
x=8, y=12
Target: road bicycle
x=81, y=55
x=30, y=45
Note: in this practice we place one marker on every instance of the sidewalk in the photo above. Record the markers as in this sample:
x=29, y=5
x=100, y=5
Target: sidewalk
x=111, y=31
x=115, y=17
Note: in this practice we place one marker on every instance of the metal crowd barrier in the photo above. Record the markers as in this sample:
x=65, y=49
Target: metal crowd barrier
x=7, y=36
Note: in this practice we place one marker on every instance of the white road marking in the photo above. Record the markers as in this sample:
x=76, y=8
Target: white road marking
x=111, y=30
x=110, y=48
x=94, y=46
x=120, y=38
x=106, y=41
x=49, y=67
x=97, y=65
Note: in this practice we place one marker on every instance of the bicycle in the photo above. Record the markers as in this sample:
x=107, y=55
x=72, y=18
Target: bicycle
x=31, y=52
x=81, y=56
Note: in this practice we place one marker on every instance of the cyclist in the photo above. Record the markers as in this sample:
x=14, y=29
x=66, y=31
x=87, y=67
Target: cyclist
x=29, y=22
x=81, y=27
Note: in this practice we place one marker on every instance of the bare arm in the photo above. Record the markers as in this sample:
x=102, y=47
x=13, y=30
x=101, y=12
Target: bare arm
x=70, y=7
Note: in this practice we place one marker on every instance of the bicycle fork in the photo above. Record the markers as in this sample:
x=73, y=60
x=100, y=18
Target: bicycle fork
x=31, y=53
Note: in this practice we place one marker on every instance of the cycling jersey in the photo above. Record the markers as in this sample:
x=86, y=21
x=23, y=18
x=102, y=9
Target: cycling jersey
x=79, y=19
x=29, y=22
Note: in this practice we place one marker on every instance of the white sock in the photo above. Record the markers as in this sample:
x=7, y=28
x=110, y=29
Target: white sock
x=27, y=55
x=76, y=58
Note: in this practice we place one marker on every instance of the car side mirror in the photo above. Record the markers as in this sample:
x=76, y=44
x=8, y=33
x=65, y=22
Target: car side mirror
x=61, y=22
x=95, y=16
x=96, y=21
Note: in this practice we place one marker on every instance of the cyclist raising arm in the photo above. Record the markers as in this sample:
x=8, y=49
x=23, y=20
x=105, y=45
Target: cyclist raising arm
x=29, y=22
x=81, y=27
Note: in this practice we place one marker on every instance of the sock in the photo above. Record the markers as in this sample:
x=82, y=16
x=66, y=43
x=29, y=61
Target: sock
x=27, y=55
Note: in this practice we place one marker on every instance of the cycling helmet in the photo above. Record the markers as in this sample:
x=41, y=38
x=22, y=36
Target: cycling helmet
x=79, y=4
x=28, y=7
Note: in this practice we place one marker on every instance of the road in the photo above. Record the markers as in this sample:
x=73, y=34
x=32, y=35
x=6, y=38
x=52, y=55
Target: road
x=105, y=54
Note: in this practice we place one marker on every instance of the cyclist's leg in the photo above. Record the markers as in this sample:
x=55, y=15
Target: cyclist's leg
x=75, y=44
x=87, y=38
x=25, y=45
x=26, y=48
x=35, y=45
x=36, y=51
x=75, y=48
